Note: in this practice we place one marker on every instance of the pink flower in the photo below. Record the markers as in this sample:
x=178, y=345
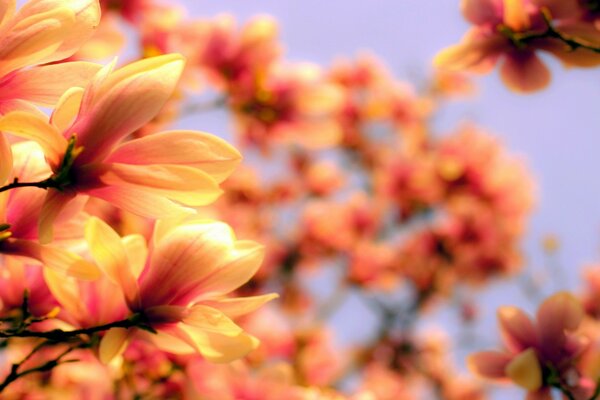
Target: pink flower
x=154, y=176
x=179, y=287
x=541, y=354
x=499, y=35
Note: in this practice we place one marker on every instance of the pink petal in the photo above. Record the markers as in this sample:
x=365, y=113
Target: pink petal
x=524, y=72
x=489, y=364
x=480, y=12
x=516, y=329
x=45, y=84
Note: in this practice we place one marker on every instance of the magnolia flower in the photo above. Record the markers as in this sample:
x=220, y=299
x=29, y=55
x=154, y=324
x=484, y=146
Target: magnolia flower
x=150, y=176
x=499, y=34
x=41, y=32
x=179, y=287
x=294, y=104
x=541, y=354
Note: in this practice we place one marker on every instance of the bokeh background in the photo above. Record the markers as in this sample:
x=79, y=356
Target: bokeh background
x=555, y=131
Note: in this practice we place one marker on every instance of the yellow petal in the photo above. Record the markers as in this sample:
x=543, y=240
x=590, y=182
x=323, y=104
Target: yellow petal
x=68, y=263
x=112, y=344
x=7, y=10
x=108, y=251
x=54, y=204
x=207, y=152
x=86, y=19
x=125, y=101
x=34, y=39
x=67, y=108
x=184, y=184
x=141, y=202
x=245, y=261
x=137, y=253
x=66, y=292
x=45, y=84
x=525, y=371
x=34, y=127
x=238, y=306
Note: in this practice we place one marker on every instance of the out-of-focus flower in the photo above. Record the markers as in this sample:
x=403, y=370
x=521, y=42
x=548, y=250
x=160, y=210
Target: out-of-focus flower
x=233, y=59
x=329, y=226
x=291, y=104
x=147, y=176
x=502, y=32
x=539, y=355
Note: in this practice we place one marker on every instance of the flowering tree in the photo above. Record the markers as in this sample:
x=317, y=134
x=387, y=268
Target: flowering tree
x=122, y=277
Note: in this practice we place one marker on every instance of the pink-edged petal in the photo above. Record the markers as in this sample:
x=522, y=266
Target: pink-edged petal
x=45, y=84
x=173, y=270
x=34, y=127
x=236, y=307
x=524, y=72
x=517, y=330
x=246, y=260
x=140, y=202
x=110, y=255
x=204, y=151
x=183, y=184
x=127, y=99
x=489, y=364
x=480, y=12
x=558, y=314
x=112, y=344
x=54, y=204
x=525, y=370
x=6, y=160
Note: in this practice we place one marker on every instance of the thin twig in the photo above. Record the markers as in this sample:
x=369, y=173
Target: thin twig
x=45, y=184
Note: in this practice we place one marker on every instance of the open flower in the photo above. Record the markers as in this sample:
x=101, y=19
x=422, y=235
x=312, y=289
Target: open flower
x=41, y=32
x=179, y=287
x=510, y=31
x=151, y=176
x=539, y=355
